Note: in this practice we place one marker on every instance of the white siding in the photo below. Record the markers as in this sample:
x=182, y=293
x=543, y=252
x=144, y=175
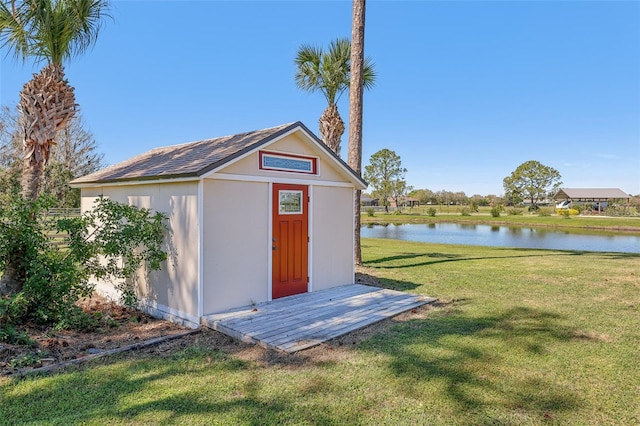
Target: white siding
x=332, y=237
x=236, y=242
x=172, y=291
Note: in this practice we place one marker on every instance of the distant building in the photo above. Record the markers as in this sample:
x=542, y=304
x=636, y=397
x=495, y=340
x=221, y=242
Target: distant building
x=598, y=197
x=367, y=201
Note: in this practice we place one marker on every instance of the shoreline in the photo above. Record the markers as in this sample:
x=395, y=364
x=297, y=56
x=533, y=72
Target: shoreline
x=403, y=219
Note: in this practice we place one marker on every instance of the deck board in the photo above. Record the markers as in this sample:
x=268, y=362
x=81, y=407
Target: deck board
x=294, y=323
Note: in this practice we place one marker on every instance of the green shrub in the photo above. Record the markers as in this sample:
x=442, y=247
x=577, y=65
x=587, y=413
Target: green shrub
x=515, y=212
x=495, y=211
x=371, y=212
x=619, y=211
x=26, y=360
x=431, y=212
x=11, y=335
x=465, y=211
x=110, y=242
x=545, y=211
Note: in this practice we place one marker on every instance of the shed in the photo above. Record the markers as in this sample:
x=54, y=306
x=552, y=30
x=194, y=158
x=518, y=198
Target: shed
x=598, y=196
x=252, y=217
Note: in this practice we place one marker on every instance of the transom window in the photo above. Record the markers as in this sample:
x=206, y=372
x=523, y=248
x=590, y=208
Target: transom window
x=288, y=163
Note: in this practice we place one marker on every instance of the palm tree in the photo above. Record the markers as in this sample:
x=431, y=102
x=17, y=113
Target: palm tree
x=358, y=65
x=51, y=31
x=329, y=73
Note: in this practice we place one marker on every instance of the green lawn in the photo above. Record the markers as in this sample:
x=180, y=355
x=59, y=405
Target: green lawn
x=518, y=336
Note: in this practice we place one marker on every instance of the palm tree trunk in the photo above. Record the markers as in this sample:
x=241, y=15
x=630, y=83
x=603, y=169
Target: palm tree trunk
x=47, y=103
x=331, y=128
x=355, y=111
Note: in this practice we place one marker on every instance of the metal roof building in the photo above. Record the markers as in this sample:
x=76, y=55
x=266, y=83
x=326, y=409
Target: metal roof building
x=599, y=196
x=591, y=194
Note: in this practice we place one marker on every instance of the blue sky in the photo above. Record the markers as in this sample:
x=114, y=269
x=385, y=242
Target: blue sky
x=466, y=90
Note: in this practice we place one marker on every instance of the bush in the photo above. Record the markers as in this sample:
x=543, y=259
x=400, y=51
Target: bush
x=515, y=212
x=619, y=211
x=545, y=211
x=567, y=213
x=465, y=211
x=431, y=212
x=495, y=211
x=110, y=242
x=371, y=212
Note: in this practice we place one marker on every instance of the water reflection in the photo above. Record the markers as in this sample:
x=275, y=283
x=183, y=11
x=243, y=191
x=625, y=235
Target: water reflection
x=505, y=236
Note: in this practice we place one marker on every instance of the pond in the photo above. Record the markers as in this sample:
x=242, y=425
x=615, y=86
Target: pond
x=505, y=236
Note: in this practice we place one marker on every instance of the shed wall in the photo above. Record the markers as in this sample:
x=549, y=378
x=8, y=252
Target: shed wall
x=236, y=244
x=332, y=237
x=172, y=291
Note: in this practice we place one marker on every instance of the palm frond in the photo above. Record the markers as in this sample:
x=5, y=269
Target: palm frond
x=368, y=74
x=307, y=63
x=52, y=30
x=14, y=29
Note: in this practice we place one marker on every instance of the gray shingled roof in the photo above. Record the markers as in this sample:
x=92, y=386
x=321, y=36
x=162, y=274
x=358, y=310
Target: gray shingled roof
x=590, y=193
x=193, y=159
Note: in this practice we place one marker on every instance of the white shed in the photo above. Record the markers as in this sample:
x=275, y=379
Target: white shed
x=252, y=217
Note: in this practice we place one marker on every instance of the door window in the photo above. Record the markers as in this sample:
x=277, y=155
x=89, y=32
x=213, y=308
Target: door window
x=289, y=202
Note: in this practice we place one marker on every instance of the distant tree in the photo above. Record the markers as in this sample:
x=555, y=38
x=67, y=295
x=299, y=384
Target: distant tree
x=399, y=191
x=75, y=154
x=386, y=175
x=479, y=200
x=494, y=200
x=425, y=196
x=532, y=181
x=449, y=197
x=10, y=149
x=460, y=198
x=329, y=73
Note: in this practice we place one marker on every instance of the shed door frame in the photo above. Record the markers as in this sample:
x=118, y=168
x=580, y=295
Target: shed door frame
x=289, y=246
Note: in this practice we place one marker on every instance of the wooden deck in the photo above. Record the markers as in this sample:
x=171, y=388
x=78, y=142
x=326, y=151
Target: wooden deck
x=298, y=322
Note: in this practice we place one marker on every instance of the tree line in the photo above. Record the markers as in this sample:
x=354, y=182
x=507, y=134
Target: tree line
x=530, y=181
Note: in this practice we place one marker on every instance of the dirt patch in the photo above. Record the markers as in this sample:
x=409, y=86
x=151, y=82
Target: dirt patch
x=114, y=327
x=119, y=327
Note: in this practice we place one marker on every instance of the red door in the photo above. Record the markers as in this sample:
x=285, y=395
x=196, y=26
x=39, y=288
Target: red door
x=290, y=240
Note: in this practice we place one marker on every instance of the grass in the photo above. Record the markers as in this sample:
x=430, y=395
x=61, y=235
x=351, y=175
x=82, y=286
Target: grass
x=518, y=336
x=453, y=214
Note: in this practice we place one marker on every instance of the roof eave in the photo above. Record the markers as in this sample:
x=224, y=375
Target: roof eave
x=181, y=177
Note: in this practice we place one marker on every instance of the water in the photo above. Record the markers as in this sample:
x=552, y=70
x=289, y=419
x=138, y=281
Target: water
x=505, y=236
